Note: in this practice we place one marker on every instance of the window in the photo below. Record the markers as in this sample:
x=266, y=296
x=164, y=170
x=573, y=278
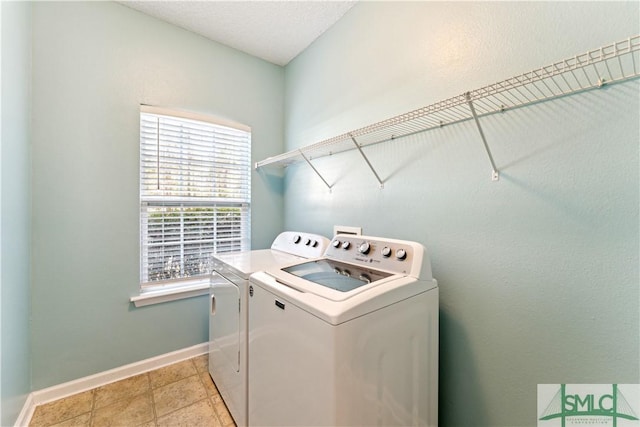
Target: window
x=195, y=194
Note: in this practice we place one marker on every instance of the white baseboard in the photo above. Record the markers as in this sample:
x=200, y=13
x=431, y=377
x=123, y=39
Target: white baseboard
x=63, y=390
x=27, y=412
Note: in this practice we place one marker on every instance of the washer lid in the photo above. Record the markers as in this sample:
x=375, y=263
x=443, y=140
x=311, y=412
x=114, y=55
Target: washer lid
x=335, y=275
x=336, y=307
x=319, y=277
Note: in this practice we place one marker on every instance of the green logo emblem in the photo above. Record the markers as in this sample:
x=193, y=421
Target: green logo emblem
x=588, y=404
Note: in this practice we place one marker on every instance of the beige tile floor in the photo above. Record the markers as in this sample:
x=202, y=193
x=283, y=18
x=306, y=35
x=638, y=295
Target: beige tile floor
x=181, y=394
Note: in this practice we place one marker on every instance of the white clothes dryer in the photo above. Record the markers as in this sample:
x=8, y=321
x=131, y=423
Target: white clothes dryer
x=349, y=339
x=228, y=310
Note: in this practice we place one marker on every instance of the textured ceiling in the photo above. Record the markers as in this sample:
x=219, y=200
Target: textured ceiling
x=276, y=31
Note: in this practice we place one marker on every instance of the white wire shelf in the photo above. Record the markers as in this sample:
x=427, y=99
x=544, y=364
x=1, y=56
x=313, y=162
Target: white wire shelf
x=614, y=63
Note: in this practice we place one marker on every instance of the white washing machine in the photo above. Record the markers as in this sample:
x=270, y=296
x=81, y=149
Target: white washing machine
x=349, y=339
x=228, y=310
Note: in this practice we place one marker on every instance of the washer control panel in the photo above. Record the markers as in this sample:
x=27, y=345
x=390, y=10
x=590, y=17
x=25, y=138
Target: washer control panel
x=397, y=256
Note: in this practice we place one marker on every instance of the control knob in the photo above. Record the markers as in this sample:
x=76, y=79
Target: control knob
x=346, y=244
x=386, y=252
x=335, y=243
x=364, y=248
x=296, y=239
x=401, y=254
x=307, y=242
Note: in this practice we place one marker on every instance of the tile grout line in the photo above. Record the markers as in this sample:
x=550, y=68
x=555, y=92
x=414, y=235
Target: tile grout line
x=153, y=401
x=93, y=406
x=210, y=398
x=207, y=397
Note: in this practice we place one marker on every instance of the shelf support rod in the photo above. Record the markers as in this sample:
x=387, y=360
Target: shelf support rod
x=367, y=160
x=495, y=175
x=314, y=169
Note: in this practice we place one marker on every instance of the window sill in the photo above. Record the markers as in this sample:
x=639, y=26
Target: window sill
x=189, y=290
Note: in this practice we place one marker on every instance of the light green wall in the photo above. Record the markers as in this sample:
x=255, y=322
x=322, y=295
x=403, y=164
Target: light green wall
x=93, y=64
x=538, y=272
x=15, y=215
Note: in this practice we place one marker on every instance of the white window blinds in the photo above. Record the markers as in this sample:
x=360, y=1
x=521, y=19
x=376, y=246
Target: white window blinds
x=195, y=194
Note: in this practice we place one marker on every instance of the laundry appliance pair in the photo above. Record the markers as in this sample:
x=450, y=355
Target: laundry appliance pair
x=346, y=338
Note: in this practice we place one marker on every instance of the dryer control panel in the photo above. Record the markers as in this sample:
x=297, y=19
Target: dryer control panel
x=397, y=256
x=306, y=245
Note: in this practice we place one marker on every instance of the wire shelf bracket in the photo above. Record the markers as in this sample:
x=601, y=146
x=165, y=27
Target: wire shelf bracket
x=315, y=170
x=380, y=182
x=495, y=174
x=611, y=64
